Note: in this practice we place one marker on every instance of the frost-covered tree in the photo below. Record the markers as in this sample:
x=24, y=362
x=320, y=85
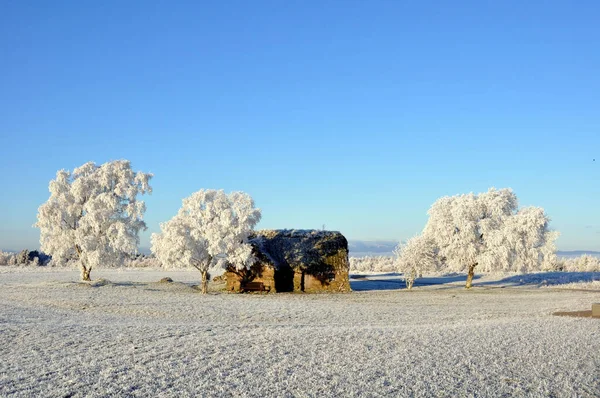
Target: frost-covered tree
x=93, y=216
x=210, y=230
x=488, y=231
x=417, y=255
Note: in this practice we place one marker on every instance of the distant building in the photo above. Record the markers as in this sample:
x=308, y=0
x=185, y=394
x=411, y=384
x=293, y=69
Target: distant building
x=296, y=261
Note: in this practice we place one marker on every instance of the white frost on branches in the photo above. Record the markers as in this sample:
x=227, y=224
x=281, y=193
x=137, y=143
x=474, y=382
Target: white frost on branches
x=8, y=258
x=522, y=244
x=92, y=216
x=210, y=230
x=489, y=231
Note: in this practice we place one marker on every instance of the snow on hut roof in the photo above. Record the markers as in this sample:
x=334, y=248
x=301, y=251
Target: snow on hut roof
x=297, y=248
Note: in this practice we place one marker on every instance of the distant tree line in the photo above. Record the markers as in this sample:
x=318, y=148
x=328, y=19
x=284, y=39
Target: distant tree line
x=375, y=264
x=24, y=257
x=37, y=258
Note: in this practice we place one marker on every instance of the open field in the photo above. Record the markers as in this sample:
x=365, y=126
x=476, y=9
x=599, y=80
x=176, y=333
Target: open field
x=135, y=337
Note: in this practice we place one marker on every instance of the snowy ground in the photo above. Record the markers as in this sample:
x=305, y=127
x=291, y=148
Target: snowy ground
x=135, y=337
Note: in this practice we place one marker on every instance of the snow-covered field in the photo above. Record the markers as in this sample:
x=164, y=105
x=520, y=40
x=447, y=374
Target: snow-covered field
x=135, y=337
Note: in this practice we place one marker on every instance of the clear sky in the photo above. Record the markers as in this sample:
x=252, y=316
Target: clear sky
x=353, y=114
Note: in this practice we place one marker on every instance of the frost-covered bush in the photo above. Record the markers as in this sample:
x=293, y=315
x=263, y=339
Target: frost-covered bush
x=42, y=258
x=210, y=230
x=93, y=216
x=418, y=255
x=372, y=264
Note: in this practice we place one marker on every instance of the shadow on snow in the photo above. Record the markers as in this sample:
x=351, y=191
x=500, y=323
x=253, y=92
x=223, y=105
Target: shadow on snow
x=360, y=283
x=545, y=279
x=395, y=281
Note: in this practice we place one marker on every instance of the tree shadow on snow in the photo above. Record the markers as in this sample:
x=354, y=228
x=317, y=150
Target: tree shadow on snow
x=360, y=283
x=149, y=286
x=105, y=282
x=545, y=279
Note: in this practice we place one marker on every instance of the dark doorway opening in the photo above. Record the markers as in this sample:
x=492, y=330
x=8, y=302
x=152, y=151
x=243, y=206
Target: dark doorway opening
x=284, y=279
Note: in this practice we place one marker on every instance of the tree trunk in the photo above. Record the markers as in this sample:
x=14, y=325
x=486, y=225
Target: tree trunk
x=411, y=279
x=85, y=273
x=470, y=275
x=204, y=282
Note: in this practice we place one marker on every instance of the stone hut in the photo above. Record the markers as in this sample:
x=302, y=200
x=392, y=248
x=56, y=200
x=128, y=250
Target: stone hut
x=296, y=261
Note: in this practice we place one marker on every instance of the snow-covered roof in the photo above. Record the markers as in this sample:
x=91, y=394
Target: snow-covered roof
x=295, y=233
x=298, y=248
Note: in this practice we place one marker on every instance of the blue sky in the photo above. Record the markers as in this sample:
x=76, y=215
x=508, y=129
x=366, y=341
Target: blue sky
x=353, y=114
